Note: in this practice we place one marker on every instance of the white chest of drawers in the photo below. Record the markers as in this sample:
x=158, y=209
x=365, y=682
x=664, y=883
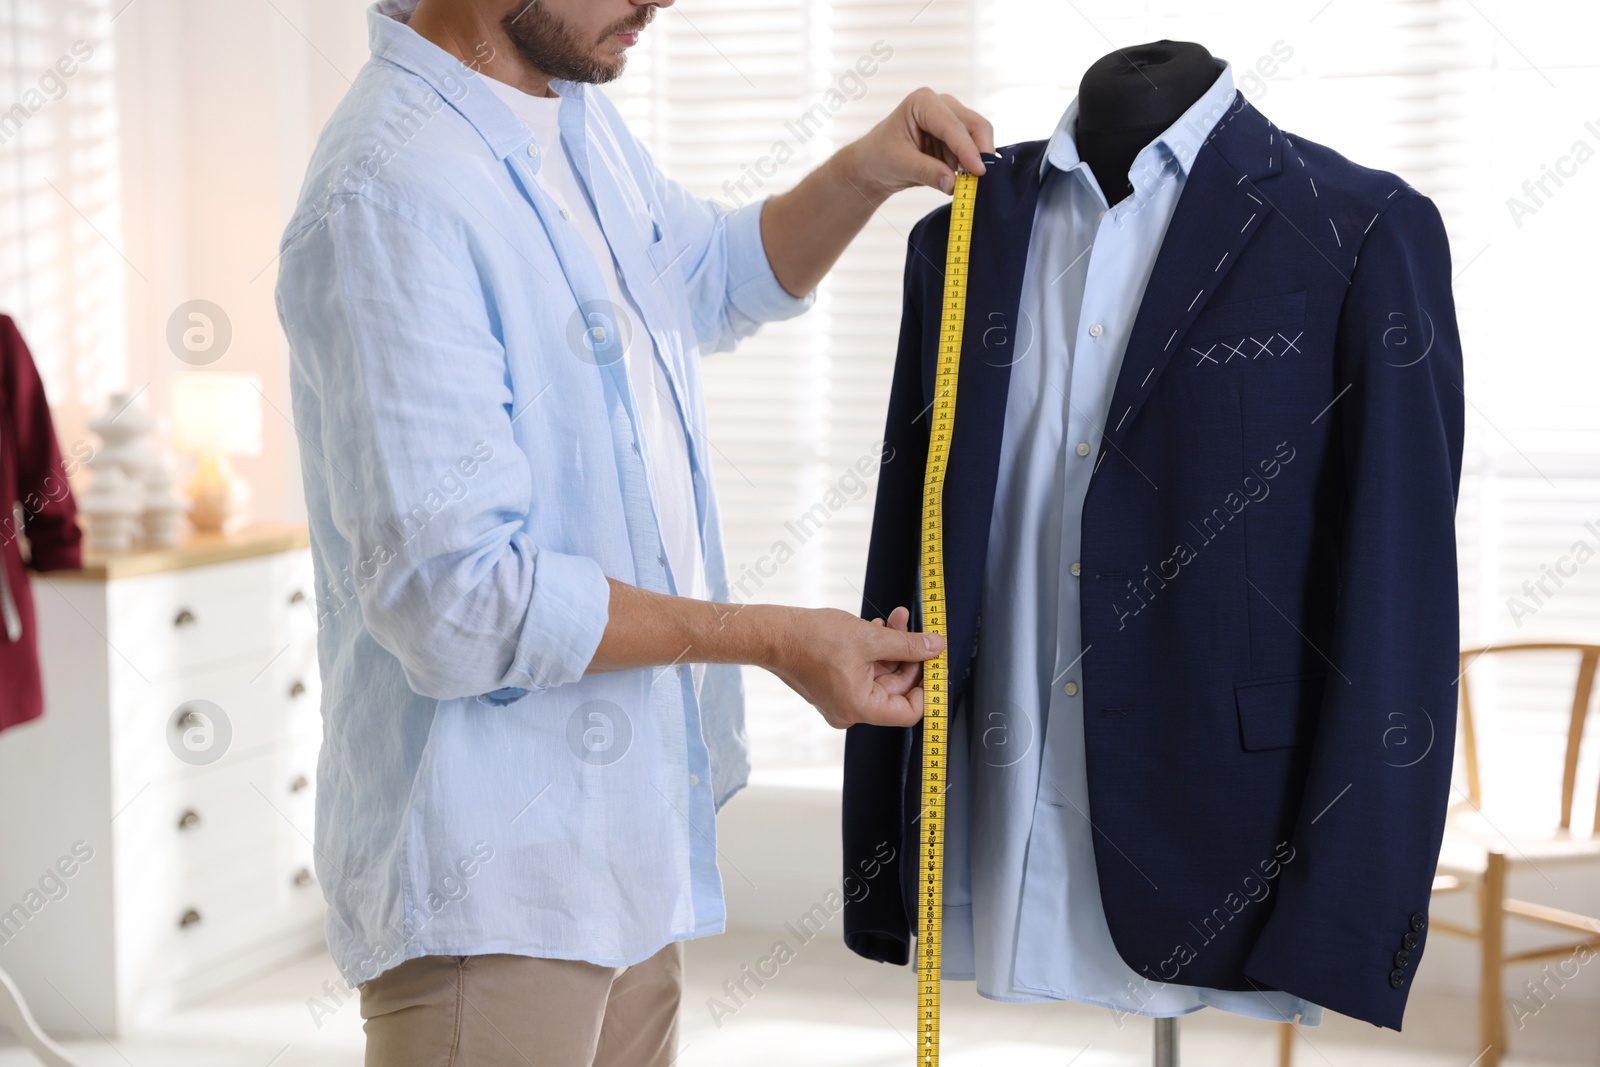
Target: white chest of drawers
x=156, y=825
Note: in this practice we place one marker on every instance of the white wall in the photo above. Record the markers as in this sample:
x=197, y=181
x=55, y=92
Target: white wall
x=221, y=104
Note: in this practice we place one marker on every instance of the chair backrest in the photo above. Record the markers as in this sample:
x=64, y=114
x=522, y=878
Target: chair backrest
x=1588, y=658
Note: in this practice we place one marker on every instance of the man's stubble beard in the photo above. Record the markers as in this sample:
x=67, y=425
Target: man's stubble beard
x=552, y=47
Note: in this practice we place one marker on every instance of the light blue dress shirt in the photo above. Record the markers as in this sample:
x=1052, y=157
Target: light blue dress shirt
x=1023, y=911
x=470, y=452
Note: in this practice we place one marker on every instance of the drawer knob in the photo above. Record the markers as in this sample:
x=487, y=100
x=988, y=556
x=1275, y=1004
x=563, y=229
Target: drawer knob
x=189, y=820
x=298, y=689
x=297, y=598
x=303, y=877
x=185, y=617
x=300, y=784
x=188, y=919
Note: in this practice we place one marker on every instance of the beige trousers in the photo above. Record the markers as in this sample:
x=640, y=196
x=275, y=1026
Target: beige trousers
x=516, y=1011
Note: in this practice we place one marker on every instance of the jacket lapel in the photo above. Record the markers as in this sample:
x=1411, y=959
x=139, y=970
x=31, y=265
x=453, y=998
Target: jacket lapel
x=1002, y=226
x=1218, y=213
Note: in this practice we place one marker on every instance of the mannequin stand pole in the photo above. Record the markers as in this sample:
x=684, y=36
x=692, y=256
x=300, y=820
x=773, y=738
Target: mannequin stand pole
x=15, y=1016
x=1166, y=1043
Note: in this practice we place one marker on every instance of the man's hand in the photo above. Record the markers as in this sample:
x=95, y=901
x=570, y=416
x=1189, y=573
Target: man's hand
x=920, y=143
x=851, y=670
x=805, y=229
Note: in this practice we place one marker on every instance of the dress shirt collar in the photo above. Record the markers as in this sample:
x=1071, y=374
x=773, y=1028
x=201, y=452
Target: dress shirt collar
x=1180, y=142
x=395, y=42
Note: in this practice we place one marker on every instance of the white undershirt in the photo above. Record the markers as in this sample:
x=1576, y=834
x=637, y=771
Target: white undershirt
x=666, y=450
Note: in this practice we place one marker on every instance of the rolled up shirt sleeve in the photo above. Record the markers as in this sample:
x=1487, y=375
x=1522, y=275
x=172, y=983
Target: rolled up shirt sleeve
x=398, y=364
x=719, y=251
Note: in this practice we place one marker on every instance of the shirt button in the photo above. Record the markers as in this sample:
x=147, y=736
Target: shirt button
x=1071, y=689
x=694, y=779
x=566, y=214
x=1096, y=330
x=661, y=560
x=599, y=334
x=636, y=448
x=533, y=149
x=1083, y=448
x=1077, y=569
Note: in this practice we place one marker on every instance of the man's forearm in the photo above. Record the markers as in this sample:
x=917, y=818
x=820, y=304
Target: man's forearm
x=806, y=229
x=648, y=629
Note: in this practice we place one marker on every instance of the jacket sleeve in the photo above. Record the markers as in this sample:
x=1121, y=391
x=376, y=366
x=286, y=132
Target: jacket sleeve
x=876, y=759
x=48, y=510
x=1371, y=819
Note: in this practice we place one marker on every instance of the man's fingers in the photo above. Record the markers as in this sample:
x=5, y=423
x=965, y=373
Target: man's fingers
x=899, y=646
x=978, y=127
x=931, y=113
x=895, y=710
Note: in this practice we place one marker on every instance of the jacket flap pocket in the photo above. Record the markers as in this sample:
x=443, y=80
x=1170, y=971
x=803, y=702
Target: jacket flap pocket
x=1278, y=712
x=1264, y=314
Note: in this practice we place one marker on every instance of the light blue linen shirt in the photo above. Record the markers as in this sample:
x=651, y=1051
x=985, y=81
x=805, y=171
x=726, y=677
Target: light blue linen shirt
x=1023, y=910
x=470, y=452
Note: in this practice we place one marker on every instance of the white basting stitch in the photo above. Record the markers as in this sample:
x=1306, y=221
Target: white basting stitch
x=1124, y=418
x=1369, y=225
x=1335, y=231
x=1248, y=221
x=1102, y=459
x=1313, y=182
x=1220, y=262
x=1254, y=197
x=1196, y=299
x=1168, y=345
x=1147, y=374
x=1204, y=356
x=1242, y=177
x=1391, y=194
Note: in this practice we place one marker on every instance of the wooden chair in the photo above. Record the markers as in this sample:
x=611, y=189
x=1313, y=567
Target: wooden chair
x=1476, y=856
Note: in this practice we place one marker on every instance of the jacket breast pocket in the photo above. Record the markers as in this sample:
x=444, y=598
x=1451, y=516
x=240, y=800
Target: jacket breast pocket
x=1278, y=712
x=1267, y=327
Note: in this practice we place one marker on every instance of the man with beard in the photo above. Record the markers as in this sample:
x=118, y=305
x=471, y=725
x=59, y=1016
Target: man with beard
x=496, y=306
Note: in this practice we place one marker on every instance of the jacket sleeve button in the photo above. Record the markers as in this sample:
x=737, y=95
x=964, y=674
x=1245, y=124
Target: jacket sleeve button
x=1397, y=978
x=1410, y=940
x=1418, y=921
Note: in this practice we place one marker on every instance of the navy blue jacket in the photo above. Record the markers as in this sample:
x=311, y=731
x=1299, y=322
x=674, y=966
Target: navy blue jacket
x=1269, y=595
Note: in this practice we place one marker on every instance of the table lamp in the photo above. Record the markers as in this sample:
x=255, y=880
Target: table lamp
x=214, y=416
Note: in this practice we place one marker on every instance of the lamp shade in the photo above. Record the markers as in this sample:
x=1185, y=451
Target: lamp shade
x=216, y=412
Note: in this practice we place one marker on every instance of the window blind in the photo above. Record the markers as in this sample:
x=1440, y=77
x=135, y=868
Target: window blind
x=61, y=276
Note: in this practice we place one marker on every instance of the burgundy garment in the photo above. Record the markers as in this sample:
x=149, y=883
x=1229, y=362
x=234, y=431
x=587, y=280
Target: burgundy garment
x=32, y=476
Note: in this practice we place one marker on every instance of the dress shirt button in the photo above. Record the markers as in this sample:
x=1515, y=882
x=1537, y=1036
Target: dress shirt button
x=1397, y=978
x=1077, y=569
x=1410, y=940
x=566, y=214
x=533, y=150
x=1071, y=689
x=661, y=560
x=694, y=779
x=1418, y=921
x=599, y=335
x=1095, y=330
x=1083, y=448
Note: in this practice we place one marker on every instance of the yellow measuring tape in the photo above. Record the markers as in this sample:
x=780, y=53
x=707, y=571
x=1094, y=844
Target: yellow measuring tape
x=935, y=673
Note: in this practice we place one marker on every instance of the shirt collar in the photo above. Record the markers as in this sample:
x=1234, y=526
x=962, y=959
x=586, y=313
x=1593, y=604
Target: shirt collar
x=395, y=42
x=1181, y=140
